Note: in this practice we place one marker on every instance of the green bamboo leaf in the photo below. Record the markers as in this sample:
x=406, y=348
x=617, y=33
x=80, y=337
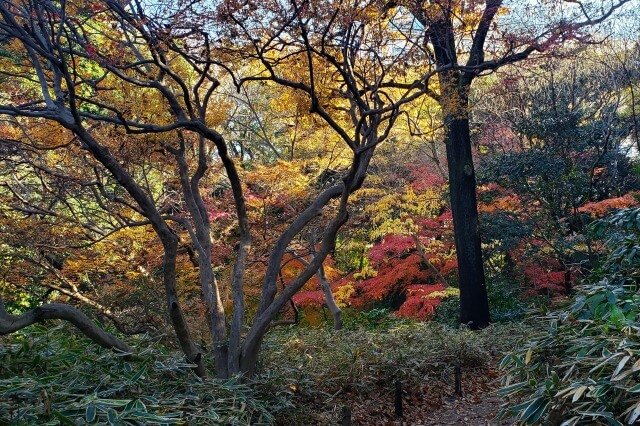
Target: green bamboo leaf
x=519, y=362
x=532, y=408
x=571, y=422
x=548, y=384
x=90, y=414
x=153, y=418
x=112, y=416
x=138, y=375
x=520, y=407
x=63, y=419
x=533, y=419
x=130, y=405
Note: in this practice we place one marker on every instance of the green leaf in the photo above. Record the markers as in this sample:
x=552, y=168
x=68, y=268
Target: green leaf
x=138, y=375
x=130, y=405
x=548, y=384
x=519, y=362
x=616, y=314
x=532, y=408
x=599, y=391
x=533, y=419
x=63, y=419
x=509, y=389
x=505, y=361
x=140, y=406
x=606, y=414
x=571, y=422
x=90, y=414
x=112, y=416
x=520, y=407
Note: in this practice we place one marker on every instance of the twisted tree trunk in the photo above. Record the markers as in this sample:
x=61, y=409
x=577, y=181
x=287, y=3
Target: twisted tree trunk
x=12, y=323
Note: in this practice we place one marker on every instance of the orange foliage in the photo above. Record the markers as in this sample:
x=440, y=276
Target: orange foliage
x=602, y=208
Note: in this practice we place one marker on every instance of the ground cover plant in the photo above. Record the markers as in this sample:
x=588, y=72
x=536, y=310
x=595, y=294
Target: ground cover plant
x=358, y=368
x=51, y=375
x=584, y=369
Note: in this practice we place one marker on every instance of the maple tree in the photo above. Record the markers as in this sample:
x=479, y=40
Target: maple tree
x=413, y=247
x=464, y=40
x=340, y=80
x=87, y=65
x=405, y=260
x=557, y=154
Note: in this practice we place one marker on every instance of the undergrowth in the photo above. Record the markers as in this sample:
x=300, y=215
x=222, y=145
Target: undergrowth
x=51, y=375
x=585, y=369
x=313, y=367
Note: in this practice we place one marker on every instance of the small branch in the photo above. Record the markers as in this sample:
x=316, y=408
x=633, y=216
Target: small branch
x=432, y=268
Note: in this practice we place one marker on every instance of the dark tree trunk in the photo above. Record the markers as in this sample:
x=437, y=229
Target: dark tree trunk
x=474, y=306
x=167, y=237
x=454, y=102
x=178, y=320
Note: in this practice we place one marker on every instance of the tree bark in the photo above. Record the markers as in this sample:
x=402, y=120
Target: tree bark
x=454, y=102
x=201, y=238
x=429, y=265
x=474, y=305
x=179, y=322
x=351, y=182
x=167, y=237
x=335, y=310
x=12, y=323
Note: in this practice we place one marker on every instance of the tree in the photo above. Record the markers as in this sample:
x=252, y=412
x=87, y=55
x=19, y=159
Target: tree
x=88, y=64
x=558, y=154
x=464, y=40
x=337, y=62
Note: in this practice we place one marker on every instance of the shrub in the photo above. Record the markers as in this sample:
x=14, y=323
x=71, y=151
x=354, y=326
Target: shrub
x=315, y=366
x=586, y=369
x=49, y=375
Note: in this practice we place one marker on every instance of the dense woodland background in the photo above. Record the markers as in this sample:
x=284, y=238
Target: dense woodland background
x=319, y=212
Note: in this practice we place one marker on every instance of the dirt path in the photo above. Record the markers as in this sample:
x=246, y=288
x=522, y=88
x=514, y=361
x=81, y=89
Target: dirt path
x=432, y=404
x=473, y=411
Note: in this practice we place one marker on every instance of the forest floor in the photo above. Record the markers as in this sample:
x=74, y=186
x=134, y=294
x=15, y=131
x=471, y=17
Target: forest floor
x=432, y=404
x=332, y=376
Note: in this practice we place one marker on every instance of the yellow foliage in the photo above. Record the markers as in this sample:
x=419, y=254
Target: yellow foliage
x=343, y=295
x=391, y=213
x=366, y=273
x=331, y=273
x=285, y=178
x=443, y=294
